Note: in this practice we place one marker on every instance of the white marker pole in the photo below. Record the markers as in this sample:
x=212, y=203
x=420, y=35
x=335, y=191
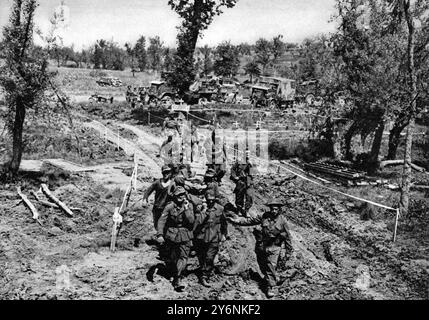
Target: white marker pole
x=396, y=225
x=135, y=170
x=105, y=135
x=118, y=139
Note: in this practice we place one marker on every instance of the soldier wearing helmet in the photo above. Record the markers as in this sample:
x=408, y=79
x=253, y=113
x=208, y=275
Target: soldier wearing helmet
x=209, y=230
x=175, y=231
x=241, y=175
x=272, y=232
x=170, y=127
x=160, y=187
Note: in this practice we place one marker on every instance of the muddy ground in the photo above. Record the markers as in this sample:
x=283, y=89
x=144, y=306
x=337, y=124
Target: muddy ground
x=338, y=252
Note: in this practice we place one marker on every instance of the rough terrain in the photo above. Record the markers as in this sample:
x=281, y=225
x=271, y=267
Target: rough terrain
x=338, y=254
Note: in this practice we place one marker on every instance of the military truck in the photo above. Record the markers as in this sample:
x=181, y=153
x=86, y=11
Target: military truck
x=279, y=92
x=160, y=93
x=109, y=81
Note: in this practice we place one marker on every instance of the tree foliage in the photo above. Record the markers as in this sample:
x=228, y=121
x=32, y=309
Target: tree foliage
x=154, y=53
x=206, y=61
x=108, y=55
x=263, y=52
x=252, y=69
x=140, y=53
x=24, y=76
x=226, y=60
x=196, y=16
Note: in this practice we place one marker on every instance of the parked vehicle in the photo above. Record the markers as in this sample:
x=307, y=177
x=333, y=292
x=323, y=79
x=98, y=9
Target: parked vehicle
x=310, y=92
x=203, y=91
x=97, y=98
x=109, y=81
x=280, y=91
x=160, y=92
x=262, y=96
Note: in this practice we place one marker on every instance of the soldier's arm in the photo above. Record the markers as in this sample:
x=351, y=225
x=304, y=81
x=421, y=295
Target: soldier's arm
x=150, y=190
x=194, y=188
x=162, y=221
x=189, y=213
x=246, y=222
x=200, y=217
x=287, y=239
x=171, y=188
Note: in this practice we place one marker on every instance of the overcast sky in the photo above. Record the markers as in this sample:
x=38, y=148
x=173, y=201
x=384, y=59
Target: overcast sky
x=125, y=20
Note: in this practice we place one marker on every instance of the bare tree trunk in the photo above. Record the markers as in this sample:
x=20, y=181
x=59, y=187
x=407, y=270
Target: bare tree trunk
x=406, y=175
x=395, y=136
x=17, y=145
x=348, y=139
x=373, y=163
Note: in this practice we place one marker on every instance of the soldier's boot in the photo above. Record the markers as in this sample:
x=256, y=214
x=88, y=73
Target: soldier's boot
x=270, y=292
x=152, y=272
x=204, y=281
x=177, y=284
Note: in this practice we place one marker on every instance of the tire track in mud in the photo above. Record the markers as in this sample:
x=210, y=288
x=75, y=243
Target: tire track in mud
x=237, y=255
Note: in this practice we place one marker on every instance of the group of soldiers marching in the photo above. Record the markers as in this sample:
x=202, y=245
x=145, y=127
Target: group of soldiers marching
x=136, y=94
x=190, y=216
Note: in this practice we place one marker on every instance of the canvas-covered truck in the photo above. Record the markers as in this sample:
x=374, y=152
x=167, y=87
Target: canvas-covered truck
x=280, y=92
x=203, y=91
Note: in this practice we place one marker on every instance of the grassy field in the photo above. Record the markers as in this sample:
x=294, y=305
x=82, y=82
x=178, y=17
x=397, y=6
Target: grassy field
x=79, y=84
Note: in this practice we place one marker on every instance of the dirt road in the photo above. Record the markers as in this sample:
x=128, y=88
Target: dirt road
x=337, y=255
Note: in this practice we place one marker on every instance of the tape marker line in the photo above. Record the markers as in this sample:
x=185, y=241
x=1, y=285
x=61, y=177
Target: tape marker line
x=319, y=184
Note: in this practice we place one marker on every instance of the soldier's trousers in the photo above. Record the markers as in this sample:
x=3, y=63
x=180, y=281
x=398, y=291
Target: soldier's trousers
x=267, y=260
x=206, y=253
x=177, y=254
x=156, y=214
x=244, y=200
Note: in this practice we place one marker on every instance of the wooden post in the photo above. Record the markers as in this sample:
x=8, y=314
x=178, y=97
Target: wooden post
x=148, y=117
x=105, y=135
x=396, y=225
x=118, y=139
x=117, y=219
x=135, y=170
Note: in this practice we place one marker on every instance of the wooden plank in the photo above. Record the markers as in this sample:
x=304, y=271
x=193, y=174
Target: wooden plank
x=60, y=204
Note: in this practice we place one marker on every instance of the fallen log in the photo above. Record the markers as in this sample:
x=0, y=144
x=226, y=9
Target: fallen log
x=60, y=204
x=399, y=162
x=28, y=204
x=50, y=204
x=419, y=187
x=43, y=202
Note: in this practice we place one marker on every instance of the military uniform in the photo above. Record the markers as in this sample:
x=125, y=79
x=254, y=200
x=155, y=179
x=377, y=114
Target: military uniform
x=170, y=127
x=240, y=174
x=272, y=231
x=192, y=190
x=161, y=198
x=175, y=226
x=210, y=225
